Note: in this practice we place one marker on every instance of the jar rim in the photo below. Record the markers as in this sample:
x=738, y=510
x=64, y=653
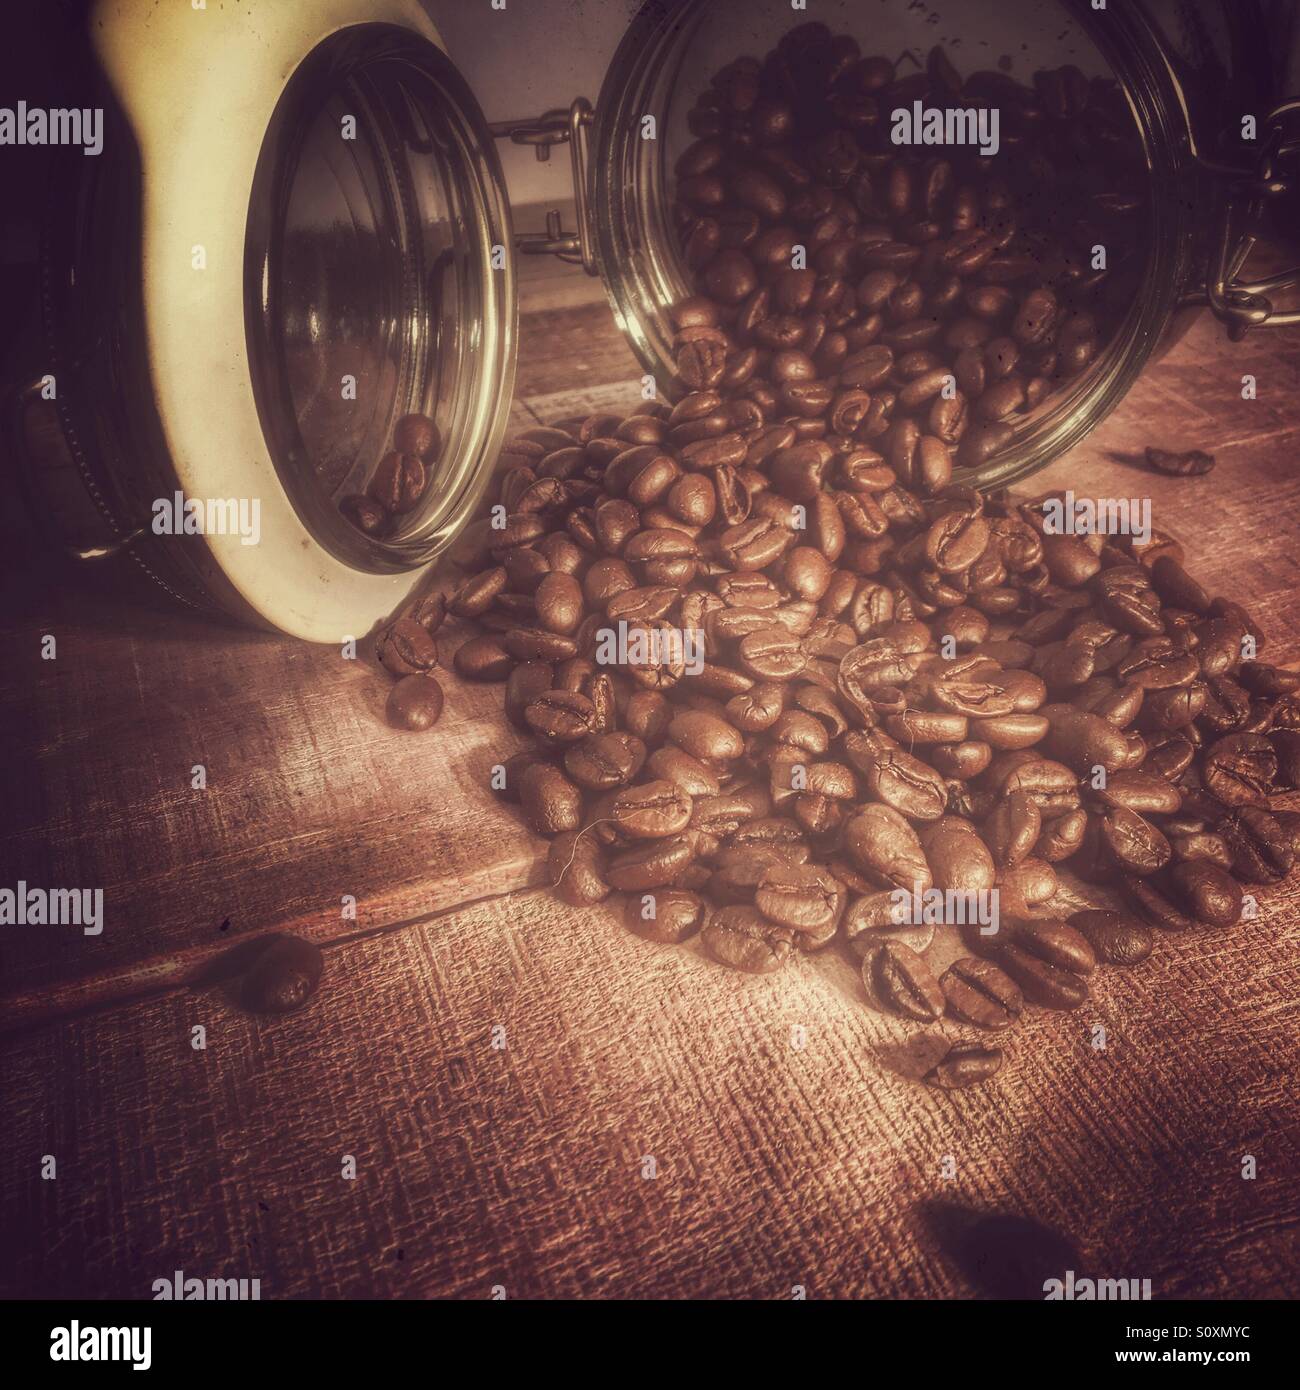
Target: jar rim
x=400, y=84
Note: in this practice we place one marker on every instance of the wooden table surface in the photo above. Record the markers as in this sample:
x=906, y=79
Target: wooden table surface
x=535, y=1099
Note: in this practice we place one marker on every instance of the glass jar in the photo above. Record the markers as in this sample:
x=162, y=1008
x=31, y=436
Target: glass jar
x=299, y=233
x=1166, y=61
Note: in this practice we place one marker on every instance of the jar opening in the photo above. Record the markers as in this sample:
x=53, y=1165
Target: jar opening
x=373, y=288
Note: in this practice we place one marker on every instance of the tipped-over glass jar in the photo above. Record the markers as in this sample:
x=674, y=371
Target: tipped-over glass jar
x=1062, y=183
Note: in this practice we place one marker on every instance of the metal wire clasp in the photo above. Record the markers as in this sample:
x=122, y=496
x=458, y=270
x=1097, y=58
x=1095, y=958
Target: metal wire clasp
x=1245, y=304
x=556, y=128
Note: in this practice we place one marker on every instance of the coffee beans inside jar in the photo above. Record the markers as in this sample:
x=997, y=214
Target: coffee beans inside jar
x=779, y=669
x=400, y=479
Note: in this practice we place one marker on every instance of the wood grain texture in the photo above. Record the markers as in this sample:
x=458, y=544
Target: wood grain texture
x=821, y=1164
x=778, y=1165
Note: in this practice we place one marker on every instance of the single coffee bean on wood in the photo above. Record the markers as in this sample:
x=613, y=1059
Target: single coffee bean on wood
x=1191, y=464
x=415, y=702
x=283, y=977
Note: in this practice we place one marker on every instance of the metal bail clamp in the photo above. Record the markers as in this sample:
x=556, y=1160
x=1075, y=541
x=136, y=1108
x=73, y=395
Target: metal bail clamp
x=557, y=128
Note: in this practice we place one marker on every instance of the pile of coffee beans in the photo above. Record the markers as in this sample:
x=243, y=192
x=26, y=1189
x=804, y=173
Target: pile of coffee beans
x=776, y=667
x=915, y=299
x=766, y=694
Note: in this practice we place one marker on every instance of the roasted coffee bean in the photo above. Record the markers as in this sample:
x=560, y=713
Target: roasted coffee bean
x=904, y=982
x=1156, y=663
x=1050, y=961
x=1050, y=785
x=745, y=940
x=668, y=915
x=283, y=977
x=1209, y=894
x=559, y=603
x=687, y=774
x=430, y=612
x=1116, y=938
x=875, y=918
x=513, y=770
x=737, y=870
x=605, y=761
x=1289, y=823
x=651, y=811
x=772, y=654
x=1013, y=829
x=975, y=698
x=772, y=832
x=1030, y=882
x=1083, y=741
x=537, y=644
x=1144, y=792
x=398, y=482
x=927, y=726
x=551, y=802
x=960, y=760
x=1191, y=464
x=705, y=736
x=1202, y=845
x=561, y=716
x=723, y=814
x=526, y=683
x=1261, y=679
x=754, y=544
x=1061, y=836
x=1169, y=759
x=574, y=869
x=884, y=846
x=905, y=784
x=979, y=992
x=1153, y=905
x=478, y=593
x=700, y=364
x=405, y=648
x=964, y=1064
x=1239, y=770
x=1004, y=731
x=655, y=864
x=1133, y=842
x=1260, y=848
x=415, y=702
x=1286, y=749
x=955, y=541
x=798, y=896
x=367, y=515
